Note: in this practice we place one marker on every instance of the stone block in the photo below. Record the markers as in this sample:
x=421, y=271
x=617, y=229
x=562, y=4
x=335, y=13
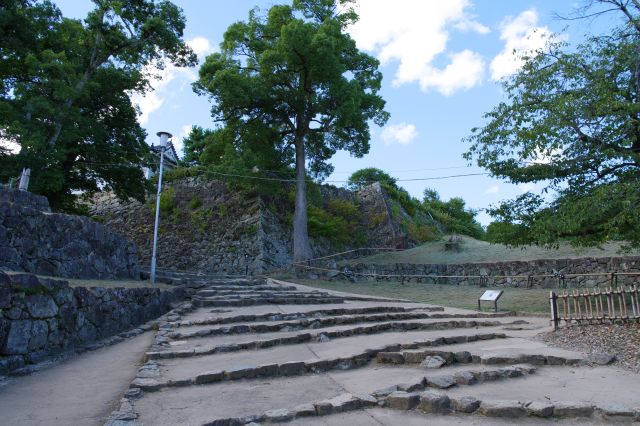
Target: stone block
x=601, y=358
x=323, y=408
x=533, y=359
x=17, y=340
x=505, y=408
x=432, y=362
x=402, y=400
x=466, y=404
x=278, y=416
x=465, y=378
x=441, y=382
x=209, y=377
x=39, y=334
x=291, y=368
x=304, y=410
x=390, y=358
x=40, y=306
x=431, y=402
x=344, y=402
x=463, y=357
x=611, y=411
x=573, y=409
x=540, y=409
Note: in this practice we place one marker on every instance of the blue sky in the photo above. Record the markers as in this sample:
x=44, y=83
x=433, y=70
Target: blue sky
x=441, y=60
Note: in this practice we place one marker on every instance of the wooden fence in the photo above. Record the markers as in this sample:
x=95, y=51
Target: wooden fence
x=595, y=306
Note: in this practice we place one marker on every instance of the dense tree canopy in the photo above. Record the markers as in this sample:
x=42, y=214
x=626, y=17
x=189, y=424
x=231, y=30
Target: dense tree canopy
x=297, y=78
x=571, y=120
x=363, y=177
x=64, y=96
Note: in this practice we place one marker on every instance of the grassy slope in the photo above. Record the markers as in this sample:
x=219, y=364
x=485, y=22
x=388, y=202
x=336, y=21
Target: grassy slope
x=473, y=250
x=466, y=297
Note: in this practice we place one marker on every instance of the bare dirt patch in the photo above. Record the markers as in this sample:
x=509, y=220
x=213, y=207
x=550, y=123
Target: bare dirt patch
x=621, y=340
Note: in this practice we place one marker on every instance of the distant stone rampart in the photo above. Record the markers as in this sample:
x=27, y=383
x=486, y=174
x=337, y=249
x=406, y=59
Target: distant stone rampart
x=32, y=239
x=500, y=274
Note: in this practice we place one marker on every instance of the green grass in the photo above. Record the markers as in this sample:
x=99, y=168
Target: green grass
x=455, y=296
x=76, y=282
x=472, y=250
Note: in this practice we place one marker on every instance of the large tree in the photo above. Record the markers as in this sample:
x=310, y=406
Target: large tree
x=296, y=74
x=66, y=85
x=572, y=121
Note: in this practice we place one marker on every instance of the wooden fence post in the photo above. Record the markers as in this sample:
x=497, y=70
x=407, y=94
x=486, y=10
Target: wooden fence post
x=553, y=300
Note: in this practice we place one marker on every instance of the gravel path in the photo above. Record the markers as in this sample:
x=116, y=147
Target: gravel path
x=621, y=340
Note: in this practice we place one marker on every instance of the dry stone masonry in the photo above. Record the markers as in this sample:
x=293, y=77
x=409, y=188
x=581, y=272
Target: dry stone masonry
x=498, y=272
x=43, y=317
x=319, y=357
x=32, y=239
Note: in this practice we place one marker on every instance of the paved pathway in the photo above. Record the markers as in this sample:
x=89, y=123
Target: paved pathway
x=81, y=391
x=250, y=352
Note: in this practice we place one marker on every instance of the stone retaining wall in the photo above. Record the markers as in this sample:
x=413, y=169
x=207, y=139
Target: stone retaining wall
x=32, y=239
x=521, y=268
x=43, y=317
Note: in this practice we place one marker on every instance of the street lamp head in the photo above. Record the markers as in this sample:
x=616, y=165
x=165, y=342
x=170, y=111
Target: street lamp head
x=164, y=138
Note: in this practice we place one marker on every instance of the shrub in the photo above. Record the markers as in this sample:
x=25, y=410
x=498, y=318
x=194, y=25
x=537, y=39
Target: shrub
x=194, y=203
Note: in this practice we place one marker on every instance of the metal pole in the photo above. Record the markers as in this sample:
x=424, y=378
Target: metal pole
x=164, y=136
x=24, y=180
x=155, y=228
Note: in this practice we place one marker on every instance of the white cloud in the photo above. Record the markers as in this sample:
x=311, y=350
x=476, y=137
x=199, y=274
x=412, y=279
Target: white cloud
x=154, y=99
x=464, y=72
x=415, y=33
x=526, y=187
x=402, y=133
x=521, y=35
x=494, y=189
x=11, y=145
x=177, y=141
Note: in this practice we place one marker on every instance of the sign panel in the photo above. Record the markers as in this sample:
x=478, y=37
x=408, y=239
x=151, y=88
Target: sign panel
x=491, y=295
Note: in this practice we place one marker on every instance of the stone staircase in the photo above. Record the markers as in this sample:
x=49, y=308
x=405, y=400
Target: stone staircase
x=257, y=352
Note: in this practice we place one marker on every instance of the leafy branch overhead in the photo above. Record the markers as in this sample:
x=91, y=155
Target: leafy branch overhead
x=571, y=121
x=65, y=91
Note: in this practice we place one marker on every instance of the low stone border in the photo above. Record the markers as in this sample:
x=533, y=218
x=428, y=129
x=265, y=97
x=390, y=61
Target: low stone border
x=429, y=402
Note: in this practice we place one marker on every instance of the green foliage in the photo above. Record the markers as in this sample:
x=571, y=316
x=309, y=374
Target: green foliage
x=222, y=210
x=195, y=203
x=295, y=79
x=167, y=201
x=420, y=233
x=364, y=177
x=572, y=122
x=64, y=96
x=338, y=229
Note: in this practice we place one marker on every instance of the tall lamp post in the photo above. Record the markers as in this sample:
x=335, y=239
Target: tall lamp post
x=164, y=138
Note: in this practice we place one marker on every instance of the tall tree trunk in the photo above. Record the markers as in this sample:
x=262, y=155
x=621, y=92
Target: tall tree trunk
x=301, y=246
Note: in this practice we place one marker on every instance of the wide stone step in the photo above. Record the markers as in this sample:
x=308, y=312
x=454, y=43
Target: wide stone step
x=319, y=313
x=300, y=300
x=314, y=323
x=223, y=290
x=309, y=337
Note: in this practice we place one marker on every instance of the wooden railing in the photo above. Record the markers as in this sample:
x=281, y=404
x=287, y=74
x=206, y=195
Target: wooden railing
x=595, y=306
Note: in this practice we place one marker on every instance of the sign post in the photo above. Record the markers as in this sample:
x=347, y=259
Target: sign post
x=490, y=296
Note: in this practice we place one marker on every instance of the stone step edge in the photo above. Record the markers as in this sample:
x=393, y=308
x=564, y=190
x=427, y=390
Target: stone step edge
x=292, y=368
x=396, y=357
x=325, y=312
x=314, y=323
x=382, y=327
x=390, y=326
x=435, y=403
x=315, y=337
x=278, y=301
